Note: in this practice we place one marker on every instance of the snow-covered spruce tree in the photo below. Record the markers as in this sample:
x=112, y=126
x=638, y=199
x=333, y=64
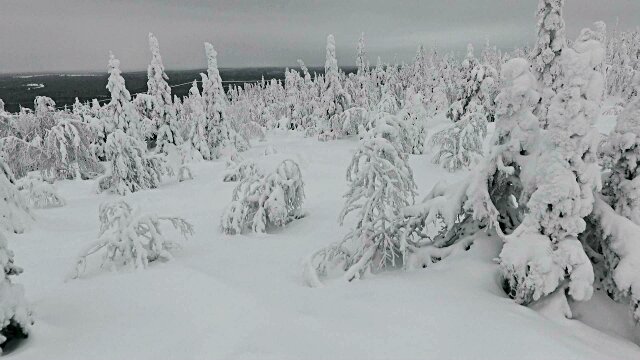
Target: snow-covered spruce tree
x=120, y=113
x=544, y=251
x=293, y=89
x=146, y=106
x=389, y=102
x=263, y=201
x=165, y=119
x=361, y=98
x=222, y=132
x=354, y=120
x=381, y=183
x=15, y=216
x=39, y=193
x=334, y=99
x=550, y=41
x=622, y=157
x=498, y=185
x=460, y=144
x=130, y=168
x=16, y=316
x=415, y=116
x=419, y=71
x=477, y=84
x=129, y=238
x=361, y=57
x=615, y=222
x=200, y=124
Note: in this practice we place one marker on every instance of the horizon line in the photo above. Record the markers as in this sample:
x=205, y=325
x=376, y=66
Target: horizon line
x=80, y=72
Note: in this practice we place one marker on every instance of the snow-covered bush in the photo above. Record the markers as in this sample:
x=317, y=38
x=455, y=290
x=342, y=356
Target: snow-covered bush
x=129, y=238
x=130, y=168
x=240, y=170
x=39, y=193
x=15, y=216
x=178, y=159
x=261, y=201
x=15, y=315
x=270, y=150
x=381, y=183
x=352, y=120
x=460, y=144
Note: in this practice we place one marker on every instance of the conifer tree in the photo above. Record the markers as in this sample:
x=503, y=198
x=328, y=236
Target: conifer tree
x=165, y=119
x=551, y=40
x=200, y=124
x=334, y=98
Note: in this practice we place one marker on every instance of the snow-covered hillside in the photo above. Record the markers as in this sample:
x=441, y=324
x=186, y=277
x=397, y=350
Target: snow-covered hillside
x=243, y=296
x=476, y=207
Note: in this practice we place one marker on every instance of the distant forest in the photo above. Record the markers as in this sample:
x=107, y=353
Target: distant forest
x=20, y=89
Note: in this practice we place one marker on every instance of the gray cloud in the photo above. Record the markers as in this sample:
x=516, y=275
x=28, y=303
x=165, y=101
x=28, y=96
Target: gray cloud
x=67, y=35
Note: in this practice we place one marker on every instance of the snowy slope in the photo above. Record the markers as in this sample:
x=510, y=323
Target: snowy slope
x=243, y=297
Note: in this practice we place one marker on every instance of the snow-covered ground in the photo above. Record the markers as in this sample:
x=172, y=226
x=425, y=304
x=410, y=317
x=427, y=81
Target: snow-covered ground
x=243, y=297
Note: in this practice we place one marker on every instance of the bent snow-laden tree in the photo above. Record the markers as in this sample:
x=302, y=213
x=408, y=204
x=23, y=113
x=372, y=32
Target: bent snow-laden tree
x=238, y=170
x=15, y=315
x=130, y=168
x=381, y=183
x=15, y=216
x=261, y=201
x=62, y=149
x=535, y=191
x=68, y=150
x=130, y=238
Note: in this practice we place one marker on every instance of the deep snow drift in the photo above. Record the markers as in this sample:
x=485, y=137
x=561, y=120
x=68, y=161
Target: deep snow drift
x=243, y=296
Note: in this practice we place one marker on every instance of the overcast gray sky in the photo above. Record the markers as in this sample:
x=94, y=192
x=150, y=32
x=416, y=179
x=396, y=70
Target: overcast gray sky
x=76, y=35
